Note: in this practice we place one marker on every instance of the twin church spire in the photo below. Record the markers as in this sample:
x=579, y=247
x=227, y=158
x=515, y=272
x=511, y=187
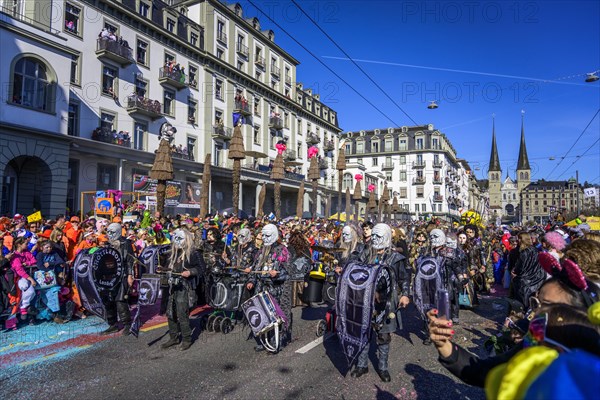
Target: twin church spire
x=523, y=162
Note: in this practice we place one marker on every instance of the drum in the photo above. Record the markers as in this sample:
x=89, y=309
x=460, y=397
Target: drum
x=313, y=290
x=225, y=293
x=263, y=313
x=329, y=292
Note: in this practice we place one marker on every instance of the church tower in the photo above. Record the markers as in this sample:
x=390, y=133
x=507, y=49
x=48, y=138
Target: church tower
x=495, y=176
x=523, y=168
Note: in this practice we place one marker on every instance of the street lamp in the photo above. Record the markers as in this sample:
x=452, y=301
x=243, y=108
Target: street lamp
x=433, y=104
x=591, y=77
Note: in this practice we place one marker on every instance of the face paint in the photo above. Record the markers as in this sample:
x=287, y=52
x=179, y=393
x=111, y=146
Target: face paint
x=113, y=232
x=381, y=236
x=270, y=234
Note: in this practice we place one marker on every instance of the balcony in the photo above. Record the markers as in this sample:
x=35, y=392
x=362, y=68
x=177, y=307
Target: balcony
x=172, y=78
x=112, y=50
x=294, y=176
x=222, y=37
x=242, y=49
x=275, y=71
x=222, y=132
x=418, y=164
x=288, y=79
x=354, y=164
x=437, y=180
x=312, y=138
x=329, y=146
x=437, y=164
x=419, y=181
x=437, y=198
x=105, y=135
x=182, y=154
x=323, y=164
x=143, y=106
x=387, y=166
x=289, y=155
x=259, y=61
x=241, y=106
x=276, y=123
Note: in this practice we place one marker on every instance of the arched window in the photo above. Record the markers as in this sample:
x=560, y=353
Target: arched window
x=504, y=196
x=347, y=182
x=32, y=84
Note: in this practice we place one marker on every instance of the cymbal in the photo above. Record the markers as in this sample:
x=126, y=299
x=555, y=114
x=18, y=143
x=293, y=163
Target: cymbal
x=327, y=249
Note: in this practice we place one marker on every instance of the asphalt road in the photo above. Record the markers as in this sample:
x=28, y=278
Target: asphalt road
x=222, y=366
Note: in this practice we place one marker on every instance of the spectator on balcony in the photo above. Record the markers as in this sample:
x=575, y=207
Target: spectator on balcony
x=104, y=34
x=70, y=25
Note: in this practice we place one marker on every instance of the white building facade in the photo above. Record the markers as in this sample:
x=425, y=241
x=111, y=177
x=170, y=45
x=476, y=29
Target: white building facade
x=82, y=113
x=419, y=165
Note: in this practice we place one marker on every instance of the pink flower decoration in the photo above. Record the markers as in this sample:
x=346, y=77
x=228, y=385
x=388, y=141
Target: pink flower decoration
x=358, y=177
x=371, y=188
x=313, y=151
x=280, y=148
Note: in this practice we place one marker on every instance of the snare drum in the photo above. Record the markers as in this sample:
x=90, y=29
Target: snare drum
x=263, y=313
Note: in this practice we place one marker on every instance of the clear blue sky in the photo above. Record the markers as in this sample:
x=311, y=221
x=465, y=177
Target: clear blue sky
x=414, y=51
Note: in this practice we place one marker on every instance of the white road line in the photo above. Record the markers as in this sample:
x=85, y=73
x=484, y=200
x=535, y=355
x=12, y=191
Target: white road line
x=313, y=344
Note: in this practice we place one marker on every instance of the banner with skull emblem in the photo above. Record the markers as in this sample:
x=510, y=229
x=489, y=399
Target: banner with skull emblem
x=149, y=288
x=354, y=307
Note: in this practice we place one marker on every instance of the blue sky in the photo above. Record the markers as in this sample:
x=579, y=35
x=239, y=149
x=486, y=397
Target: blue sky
x=414, y=49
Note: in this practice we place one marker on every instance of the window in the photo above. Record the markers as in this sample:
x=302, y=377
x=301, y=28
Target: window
x=360, y=147
x=72, y=15
x=191, y=147
x=107, y=121
x=106, y=177
x=299, y=151
x=219, y=89
x=375, y=161
x=424, y=207
x=389, y=144
x=193, y=75
x=192, y=107
x=221, y=31
x=388, y=176
x=169, y=103
x=419, y=159
x=403, y=193
x=75, y=76
x=220, y=53
x=142, y=52
x=193, y=39
x=435, y=143
x=219, y=118
x=73, y=122
x=111, y=27
x=144, y=9
x=169, y=58
x=141, y=86
x=31, y=85
x=419, y=144
x=240, y=65
x=170, y=25
x=139, y=132
x=420, y=191
x=402, y=145
x=257, y=106
x=402, y=160
x=375, y=147
x=109, y=75
x=347, y=182
x=402, y=176
x=416, y=208
x=256, y=134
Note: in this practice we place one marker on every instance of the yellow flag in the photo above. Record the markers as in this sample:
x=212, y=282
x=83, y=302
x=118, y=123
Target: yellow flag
x=36, y=216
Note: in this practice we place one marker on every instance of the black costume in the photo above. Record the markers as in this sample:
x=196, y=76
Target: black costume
x=529, y=275
x=455, y=265
x=401, y=275
x=116, y=304
x=182, y=296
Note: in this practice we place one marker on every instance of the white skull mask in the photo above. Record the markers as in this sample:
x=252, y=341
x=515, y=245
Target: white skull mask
x=113, y=232
x=451, y=242
x=178, y=238
x=437, y=237
x=347, y=234
x=270, y=234
x=381, y=236
x=244, y=236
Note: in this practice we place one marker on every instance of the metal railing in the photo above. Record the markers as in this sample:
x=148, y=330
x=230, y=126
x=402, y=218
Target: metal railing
x=222, y=36
x=143, y=103
x=275, y=70
x=177, y=76
x=259, y=60
x=114, y=47
x=242, y=49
